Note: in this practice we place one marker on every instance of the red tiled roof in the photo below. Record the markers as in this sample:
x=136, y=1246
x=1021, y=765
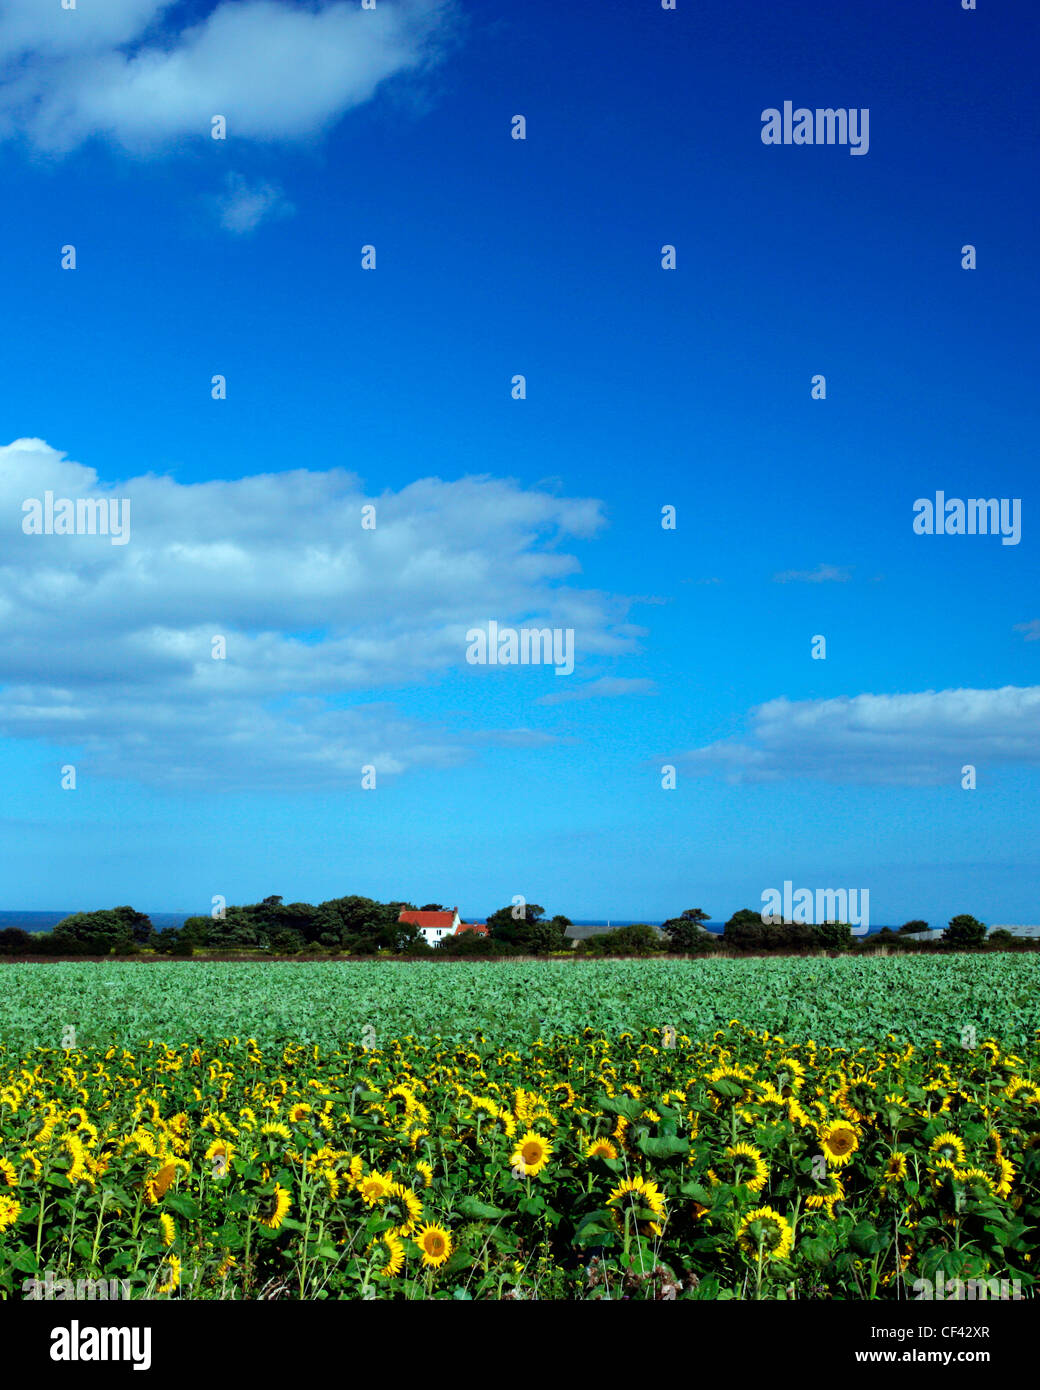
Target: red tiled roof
x=426, y=919
x=478, y=927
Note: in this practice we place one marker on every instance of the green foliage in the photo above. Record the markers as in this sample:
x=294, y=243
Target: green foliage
x=529, y=934
x=964, y=930
x=913, y=928
x=636, y=940
x=833, y=935
x=685, y=933
x=15, y=942
x=846, y=1000
x=112, y=930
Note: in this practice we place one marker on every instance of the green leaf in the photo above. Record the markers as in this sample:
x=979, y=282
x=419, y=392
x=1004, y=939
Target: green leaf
x=664, y=1146
x=475, y=1210
x=183, y=1205
x=621, y=1105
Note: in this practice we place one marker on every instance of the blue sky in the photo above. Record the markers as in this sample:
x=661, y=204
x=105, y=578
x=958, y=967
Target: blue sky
x=645, y=388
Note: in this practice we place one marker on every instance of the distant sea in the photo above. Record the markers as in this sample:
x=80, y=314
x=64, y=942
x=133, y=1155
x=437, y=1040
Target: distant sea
x=46, y=921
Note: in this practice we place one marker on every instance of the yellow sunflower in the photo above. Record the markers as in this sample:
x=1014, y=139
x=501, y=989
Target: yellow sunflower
x=278, y=1209
x=531, y=1154
x=767, y=1231
x=375, y=1188
x=600, y=1148
x=434, y=1242
x=219, y=1154
x=638, y=1192
x=975, y=1177
x=158, y=1184
x=173, y=1275
x=948, y=1145
x=895, y=1168
x=409, y=1207
x=829, y=1199
x=1006, y=1171
x=392, y=1252
x=838, y=1141
x=744, y=1156
x=9, y=1210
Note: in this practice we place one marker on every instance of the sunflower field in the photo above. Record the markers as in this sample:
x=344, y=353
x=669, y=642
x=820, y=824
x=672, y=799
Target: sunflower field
x=642, y=1165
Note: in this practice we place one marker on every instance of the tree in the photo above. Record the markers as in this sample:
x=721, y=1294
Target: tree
x=15, y=942
x=112, y=929
x=685, y=932
x=834, y=935
x=744, y=930
x=196, y=930
x=433, y=907
x=640, y=939
x=360, y=925
x=964, y=930
x=508, y=925
x=406, y=935
x=913, y=928
x=542, y=938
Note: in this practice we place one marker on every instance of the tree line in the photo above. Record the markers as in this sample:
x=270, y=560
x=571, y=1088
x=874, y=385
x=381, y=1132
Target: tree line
x=350, y=925
x=360, y=926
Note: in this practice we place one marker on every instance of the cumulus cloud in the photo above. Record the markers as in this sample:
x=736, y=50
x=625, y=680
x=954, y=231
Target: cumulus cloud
x=109, y=647
x=822, y=574
x=244, y=205
x=275, y=69
x=1030, y=629
x=915, y=739
x=607, y=687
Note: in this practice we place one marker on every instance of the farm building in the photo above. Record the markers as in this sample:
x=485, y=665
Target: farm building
x=435, y=926
x=936, y=933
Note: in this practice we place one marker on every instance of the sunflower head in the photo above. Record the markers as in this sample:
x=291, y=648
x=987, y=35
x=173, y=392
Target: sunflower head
x=600, y=1148
x=375, y=1188
x=531, y=1154
x=765, y=1234
x=642, y=1200
x=948, y=1146
x=434, y=1244
x=274, y=1212
x=839, y=1142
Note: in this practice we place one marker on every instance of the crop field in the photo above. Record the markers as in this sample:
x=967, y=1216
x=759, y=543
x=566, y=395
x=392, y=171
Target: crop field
x=839, y=1001
x=604, y=1130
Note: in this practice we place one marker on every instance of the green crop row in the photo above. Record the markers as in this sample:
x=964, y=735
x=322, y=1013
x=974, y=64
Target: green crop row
x=839, y=1001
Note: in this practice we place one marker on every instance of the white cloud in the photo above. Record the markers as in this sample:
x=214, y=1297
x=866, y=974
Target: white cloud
x=606, y=687
x=917, y=739
x=108, y=647
x=29, y=27
x=1031, y=629
x=244, y=205
x=275, y=69
x=822, y=574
